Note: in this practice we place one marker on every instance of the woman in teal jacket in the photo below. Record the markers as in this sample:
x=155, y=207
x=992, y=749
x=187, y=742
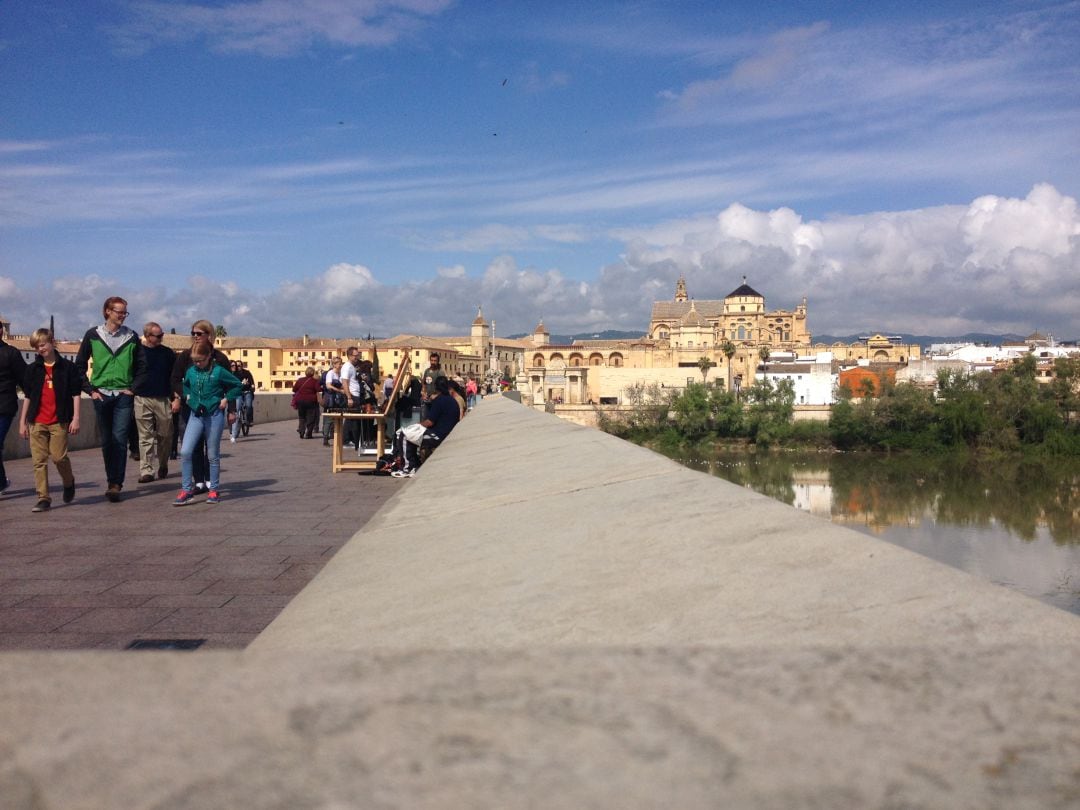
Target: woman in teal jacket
x=207, y=390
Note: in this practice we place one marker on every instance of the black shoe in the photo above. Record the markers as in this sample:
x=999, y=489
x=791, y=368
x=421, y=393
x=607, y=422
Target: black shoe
x=112, y=494
x=163, y=472
x=41, y=506
x=146, y=479
x=69, y=494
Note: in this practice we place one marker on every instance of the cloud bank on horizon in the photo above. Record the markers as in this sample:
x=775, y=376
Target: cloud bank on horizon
x=340, y=168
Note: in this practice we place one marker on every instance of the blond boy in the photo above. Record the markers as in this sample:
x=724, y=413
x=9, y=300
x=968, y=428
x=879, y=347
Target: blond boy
x=50, y=412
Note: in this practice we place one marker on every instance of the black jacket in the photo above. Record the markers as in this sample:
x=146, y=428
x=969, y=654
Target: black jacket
x=12, y=370
x=67, y=383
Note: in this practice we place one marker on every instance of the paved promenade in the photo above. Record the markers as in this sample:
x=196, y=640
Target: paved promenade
x=96, y=575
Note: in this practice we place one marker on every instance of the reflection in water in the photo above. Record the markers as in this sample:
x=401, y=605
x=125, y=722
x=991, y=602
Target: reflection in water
x=1016, y=523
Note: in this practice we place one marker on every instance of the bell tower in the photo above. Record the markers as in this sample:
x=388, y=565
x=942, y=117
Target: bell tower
x=680, y=289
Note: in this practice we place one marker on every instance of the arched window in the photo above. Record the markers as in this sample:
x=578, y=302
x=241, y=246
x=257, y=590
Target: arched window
x=596, y=359
x=538, y=360
x=576, y=360
x=615, y=360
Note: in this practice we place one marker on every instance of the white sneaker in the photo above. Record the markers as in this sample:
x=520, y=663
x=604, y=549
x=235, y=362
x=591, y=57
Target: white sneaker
x=232, y=439
x=402, y=473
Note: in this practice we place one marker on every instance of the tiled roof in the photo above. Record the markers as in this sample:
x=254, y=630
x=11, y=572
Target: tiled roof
x=743, y=292
x=677, y=310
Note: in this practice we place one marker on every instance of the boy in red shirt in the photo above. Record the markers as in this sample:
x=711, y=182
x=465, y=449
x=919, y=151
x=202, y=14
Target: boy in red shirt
x=49, y=413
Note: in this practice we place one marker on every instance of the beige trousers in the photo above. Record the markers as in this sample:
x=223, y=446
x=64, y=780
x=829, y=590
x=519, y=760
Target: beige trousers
x=49, y=441
x=153, y=418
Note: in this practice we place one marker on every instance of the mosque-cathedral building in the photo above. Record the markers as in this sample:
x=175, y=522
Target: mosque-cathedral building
x=730, y=332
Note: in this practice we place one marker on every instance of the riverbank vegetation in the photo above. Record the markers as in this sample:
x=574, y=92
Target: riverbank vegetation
x=1004, y=412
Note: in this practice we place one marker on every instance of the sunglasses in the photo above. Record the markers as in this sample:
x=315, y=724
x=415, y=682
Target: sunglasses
x=196, y=333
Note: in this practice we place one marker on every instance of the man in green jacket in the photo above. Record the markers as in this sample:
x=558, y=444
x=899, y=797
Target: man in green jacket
x=119, y=367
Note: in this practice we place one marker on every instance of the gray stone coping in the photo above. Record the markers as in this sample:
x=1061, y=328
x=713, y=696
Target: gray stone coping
x=547, y=617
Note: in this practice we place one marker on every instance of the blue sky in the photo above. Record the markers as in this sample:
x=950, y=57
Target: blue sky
x=342, y=167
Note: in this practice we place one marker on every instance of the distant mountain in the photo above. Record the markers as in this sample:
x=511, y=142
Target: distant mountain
x=926, y=340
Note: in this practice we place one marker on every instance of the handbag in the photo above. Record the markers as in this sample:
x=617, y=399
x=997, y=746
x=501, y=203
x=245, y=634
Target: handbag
x=414, y=433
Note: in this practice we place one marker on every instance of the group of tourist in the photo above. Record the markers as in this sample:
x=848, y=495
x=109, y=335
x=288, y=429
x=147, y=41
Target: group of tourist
x=194, y=394
x=131, y=381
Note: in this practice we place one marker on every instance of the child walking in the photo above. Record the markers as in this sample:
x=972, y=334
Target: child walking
x=207, y=390
x=49, y=414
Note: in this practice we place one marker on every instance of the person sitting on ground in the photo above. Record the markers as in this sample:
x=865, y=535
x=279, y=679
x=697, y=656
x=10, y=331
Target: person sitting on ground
x=458, y=393
x=443, y=415
x=50, y=412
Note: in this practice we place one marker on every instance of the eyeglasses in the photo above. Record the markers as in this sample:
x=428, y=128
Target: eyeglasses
x=197, y=333
x=119, y=313
x=156, y=334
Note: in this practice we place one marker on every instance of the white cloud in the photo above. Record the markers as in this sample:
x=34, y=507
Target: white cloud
x=997, y=264
x=275, y=27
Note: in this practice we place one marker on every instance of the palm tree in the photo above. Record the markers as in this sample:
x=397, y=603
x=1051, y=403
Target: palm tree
x=728, y=348
x=765, y=354
x=219, y=332
x=704, y=364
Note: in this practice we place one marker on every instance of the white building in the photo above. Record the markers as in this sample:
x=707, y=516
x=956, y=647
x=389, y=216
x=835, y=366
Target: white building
x=812, y=377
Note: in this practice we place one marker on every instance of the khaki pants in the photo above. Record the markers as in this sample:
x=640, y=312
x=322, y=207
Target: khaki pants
x=153, y=418
x=49, y=441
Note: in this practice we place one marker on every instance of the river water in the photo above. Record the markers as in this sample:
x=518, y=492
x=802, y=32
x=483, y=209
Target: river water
x=1015, y=523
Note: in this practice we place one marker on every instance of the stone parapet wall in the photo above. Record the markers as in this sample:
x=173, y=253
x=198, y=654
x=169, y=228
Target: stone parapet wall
x=268, y=408
x=549, y=616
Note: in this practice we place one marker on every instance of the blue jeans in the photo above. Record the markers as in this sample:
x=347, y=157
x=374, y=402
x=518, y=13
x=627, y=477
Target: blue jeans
x=5, y=423
x=114, y=420
x=211, y=425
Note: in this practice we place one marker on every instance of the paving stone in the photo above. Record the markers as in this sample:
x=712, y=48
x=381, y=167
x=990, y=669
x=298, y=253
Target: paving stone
x=220, y=620
x=36, y=586
x=117, y=620
x=85, y=600
x=75, y=575
x=190, y=600
x=36, y=620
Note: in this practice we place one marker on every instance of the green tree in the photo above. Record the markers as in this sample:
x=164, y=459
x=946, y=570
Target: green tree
x=692, y=412
x=220, y=332
x=961, y=415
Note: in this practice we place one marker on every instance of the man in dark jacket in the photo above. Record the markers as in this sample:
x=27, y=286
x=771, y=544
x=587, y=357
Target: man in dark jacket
x=49, y=414
x=153, y=407
x=12, y=369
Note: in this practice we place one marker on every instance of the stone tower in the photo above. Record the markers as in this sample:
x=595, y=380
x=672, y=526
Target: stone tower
x=478, y=337
x=680, y=289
